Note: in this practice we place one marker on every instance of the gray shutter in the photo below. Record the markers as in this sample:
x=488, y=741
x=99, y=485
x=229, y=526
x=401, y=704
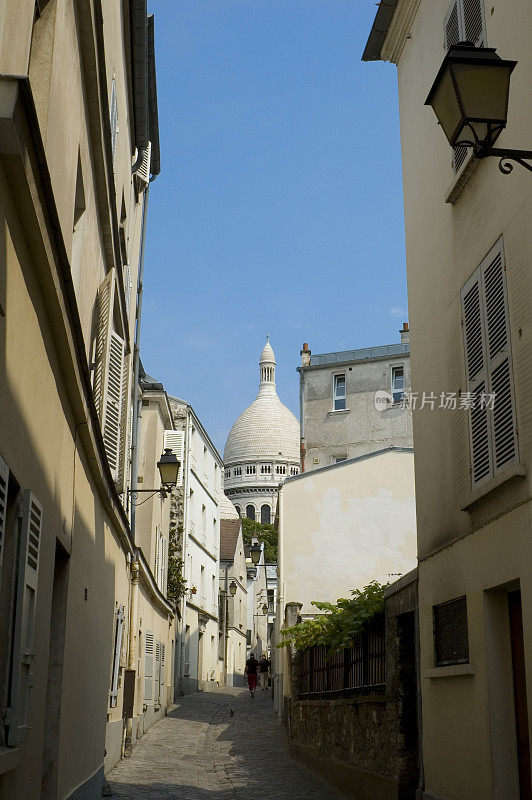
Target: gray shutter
x=473, y=22
x=504, y=427
x=162, y=692
x=157, y=692
x=26, y=595
x=119, y=630
x=113, y=403
x=105, y=304
x=148, y=666
x=451, y=26
x=4, y=481
x=476, y=378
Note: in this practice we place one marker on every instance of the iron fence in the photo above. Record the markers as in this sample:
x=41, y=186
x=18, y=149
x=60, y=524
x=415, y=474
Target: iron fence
x=360, y=669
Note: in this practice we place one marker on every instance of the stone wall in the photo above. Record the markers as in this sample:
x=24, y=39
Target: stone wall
x=367, y=746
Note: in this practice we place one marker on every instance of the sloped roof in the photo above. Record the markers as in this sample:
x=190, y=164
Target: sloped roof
x=229, y=530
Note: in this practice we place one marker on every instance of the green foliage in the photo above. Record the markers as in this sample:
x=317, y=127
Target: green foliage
x=176, y=582
x=264, y=533
x=340, y=622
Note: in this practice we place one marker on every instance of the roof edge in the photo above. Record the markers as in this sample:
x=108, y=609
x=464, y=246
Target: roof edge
x=391, y=449
x=379, y=30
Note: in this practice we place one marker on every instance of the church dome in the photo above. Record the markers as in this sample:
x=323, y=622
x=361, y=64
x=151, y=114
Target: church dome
x=266, y=429
x=227, y=509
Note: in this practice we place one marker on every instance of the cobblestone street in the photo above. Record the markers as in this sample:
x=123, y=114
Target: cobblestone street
x=201, y=752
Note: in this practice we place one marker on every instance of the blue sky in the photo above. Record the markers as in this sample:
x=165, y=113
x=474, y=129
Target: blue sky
x=279, y=205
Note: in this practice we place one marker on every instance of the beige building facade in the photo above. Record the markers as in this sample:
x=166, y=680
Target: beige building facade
x=233, y=607
x=72, y=128
x=469, y=251
x=341, y=527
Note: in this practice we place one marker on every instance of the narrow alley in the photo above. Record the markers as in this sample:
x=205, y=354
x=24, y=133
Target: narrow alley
x=202, y=752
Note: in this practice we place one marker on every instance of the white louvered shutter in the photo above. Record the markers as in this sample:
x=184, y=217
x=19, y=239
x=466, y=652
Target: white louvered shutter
x=157, y=693
x=119, y=631
x=175, y=441
x=112, y=422
x=124, y=459
x=4, y=481
x=105, y=302
x=164, y=576
x=451, y=26
x=26, y=598
x=162, y=692
x=504, y=428
x=464, y=22
x=143, y=172
x=473, y=27
x=127, y=287
x=148, y=666
x=476, y=378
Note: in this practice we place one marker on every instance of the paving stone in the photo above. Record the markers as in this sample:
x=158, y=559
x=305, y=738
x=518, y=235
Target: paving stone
x=200, y=752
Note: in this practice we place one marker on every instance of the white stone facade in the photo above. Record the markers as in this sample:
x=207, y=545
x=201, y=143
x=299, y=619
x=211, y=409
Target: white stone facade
x=262, y=449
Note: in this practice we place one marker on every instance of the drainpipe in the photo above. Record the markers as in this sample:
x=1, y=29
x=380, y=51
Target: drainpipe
x=132, y=646
x=226, y=619
x=305, y=354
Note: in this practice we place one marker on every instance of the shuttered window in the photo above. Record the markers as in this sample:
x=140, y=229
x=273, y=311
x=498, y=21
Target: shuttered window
x=157, y=694
x=26, y=598
x=111, y=381
x=119, y=631
x=4, y=481
x=148, y=665
x=162, y=692
x=464, y=22
x=175, y=441
x=127, y=287
x=493, y=431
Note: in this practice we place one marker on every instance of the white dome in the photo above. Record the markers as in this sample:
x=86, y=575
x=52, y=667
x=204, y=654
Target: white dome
x=266, y=429
x=227, y=509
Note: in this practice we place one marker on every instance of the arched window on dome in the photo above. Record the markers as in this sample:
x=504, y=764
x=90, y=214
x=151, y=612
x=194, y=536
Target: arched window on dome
x=265, y=514
x=238, y=510
x=250, y=512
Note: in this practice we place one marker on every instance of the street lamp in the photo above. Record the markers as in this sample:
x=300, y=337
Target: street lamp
x=168, y=466
x=470, y=99
x=232, y=588
x=255, y=551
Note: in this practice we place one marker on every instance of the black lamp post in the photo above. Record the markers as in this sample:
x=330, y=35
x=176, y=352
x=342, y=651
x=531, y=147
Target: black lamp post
x=168, y=467
x=255, y=550
x=470, y=99
x=232, y=588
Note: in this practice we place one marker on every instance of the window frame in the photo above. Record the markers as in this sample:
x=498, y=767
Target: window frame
x=454, y=662
x=393, y=369
x=336, y=397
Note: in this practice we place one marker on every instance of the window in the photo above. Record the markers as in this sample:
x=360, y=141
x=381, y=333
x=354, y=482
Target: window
x=464, y=22
x=398, y=384
x=237, y=471
x=148, y=665
x=451, y=644
x=271, y=601
x=266, y=469
x=227, y=473
x=250, y=470
x=119, y=630
x=250, y=512
x=238, y=510
x=489, y=381
x=111, y=379
x=280, y=469
x=265, y=514
x=294, y=470
x=339, y=393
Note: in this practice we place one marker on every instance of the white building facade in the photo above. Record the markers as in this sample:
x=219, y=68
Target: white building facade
x=262, y=449
x=197, y=661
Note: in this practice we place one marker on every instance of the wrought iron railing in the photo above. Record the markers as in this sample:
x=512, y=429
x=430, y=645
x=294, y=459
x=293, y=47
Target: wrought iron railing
x=360, y=669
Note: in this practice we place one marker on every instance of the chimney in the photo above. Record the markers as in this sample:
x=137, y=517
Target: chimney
x=305, y=355
x=404, y=333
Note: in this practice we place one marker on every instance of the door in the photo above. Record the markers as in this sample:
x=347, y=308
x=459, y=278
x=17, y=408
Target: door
x=520, y=698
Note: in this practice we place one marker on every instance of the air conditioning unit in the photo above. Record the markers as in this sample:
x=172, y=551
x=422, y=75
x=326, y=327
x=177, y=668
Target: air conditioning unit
x=143, y=173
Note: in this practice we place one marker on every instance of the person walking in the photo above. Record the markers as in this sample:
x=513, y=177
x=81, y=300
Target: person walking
x=264, y=666
x=252, y=668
